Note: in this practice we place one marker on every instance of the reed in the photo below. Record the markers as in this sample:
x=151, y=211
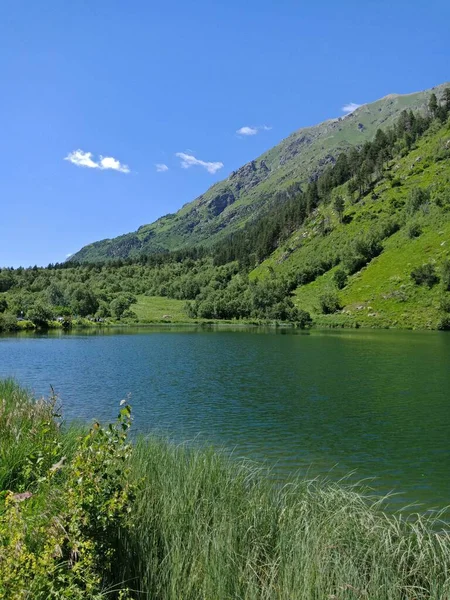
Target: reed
x=201, y=525
x=206, y=526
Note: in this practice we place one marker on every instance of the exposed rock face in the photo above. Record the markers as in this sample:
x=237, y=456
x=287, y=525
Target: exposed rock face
x=124, y=245
x=329, y=159
x=219, y=203
x=249, y=175
x=295, y=147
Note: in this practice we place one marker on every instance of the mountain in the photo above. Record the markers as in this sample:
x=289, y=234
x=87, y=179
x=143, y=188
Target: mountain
x=252, y=190
x=367, y=244
x=405, y=215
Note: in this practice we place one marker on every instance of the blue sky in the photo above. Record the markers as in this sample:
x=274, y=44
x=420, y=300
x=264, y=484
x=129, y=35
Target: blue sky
x=132, y=85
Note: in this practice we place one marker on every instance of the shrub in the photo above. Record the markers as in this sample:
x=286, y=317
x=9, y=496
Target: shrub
x=8, y=322
x=425, y=275
x=340, y=278
x=444, y=304
x=60, y=540
x=417, y=197
x=40, y=314
x=361, y=251
x=130, y=315
x=311, y=271
x=444, y=324
x=119, y=306
x=413, y=230
x=303, y=319
x=445, y=275
x=329, y=303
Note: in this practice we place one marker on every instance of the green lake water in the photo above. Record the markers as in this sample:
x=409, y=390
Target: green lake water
x=373, y=404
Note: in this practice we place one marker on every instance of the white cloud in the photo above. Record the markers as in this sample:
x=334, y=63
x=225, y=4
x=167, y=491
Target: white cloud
x=84, y=159
x=350, y=107
x=69, y=255
x=108, y=162
x=247, y=130
x=187, y=161
x=161, y=168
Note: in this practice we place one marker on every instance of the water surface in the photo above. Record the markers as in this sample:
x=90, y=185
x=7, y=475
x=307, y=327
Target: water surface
x=373, y=403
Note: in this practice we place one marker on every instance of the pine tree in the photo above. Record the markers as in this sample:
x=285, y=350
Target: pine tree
x=339, y=206
x=433, y=105
x=446, y=99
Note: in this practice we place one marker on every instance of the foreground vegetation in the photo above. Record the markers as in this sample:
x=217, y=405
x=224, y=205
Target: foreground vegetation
x=89, y=515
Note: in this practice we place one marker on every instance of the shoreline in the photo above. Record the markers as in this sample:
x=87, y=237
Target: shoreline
x=322, y=325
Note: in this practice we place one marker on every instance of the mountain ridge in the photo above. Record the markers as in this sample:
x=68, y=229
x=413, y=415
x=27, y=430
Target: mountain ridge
x=251, y=189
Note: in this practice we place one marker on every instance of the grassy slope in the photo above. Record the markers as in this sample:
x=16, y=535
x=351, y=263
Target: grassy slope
x=151, y=309
x=292, y=160
x=158, y=309
x=381, y=294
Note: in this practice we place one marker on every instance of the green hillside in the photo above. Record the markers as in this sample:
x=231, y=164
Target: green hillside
x=365, y=243
x=254, y=188
x=382, y=293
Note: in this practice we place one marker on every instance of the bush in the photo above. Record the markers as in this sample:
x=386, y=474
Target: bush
x=444, y=324
x=329, y=303
x=359, y=252
x=130, y=315
x=445, y=275
x=40, y=314
x=303, y=319
x=60, y=527
x=444, y=304
x=120, y=305
x=8, y=322
x=340, y=278
x=413, y=230
x=417, y=197
x=425, y=275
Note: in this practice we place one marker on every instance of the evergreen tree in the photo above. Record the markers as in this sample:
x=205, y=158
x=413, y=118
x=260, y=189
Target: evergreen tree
x=433, y=106
x=339, y=206
x=446, y=99
x=312, y=197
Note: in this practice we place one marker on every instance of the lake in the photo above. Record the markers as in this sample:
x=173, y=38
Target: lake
x=375, y=404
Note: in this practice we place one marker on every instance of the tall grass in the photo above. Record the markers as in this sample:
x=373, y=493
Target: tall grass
x=202, y=526
x=208, y=528
x=29, y=435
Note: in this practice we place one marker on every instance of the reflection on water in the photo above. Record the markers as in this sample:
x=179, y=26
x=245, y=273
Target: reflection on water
x=373, y=402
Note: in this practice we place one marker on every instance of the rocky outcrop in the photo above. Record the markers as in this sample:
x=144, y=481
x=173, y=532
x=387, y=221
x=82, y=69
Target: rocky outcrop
x=249, y=175
x=219, y=203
